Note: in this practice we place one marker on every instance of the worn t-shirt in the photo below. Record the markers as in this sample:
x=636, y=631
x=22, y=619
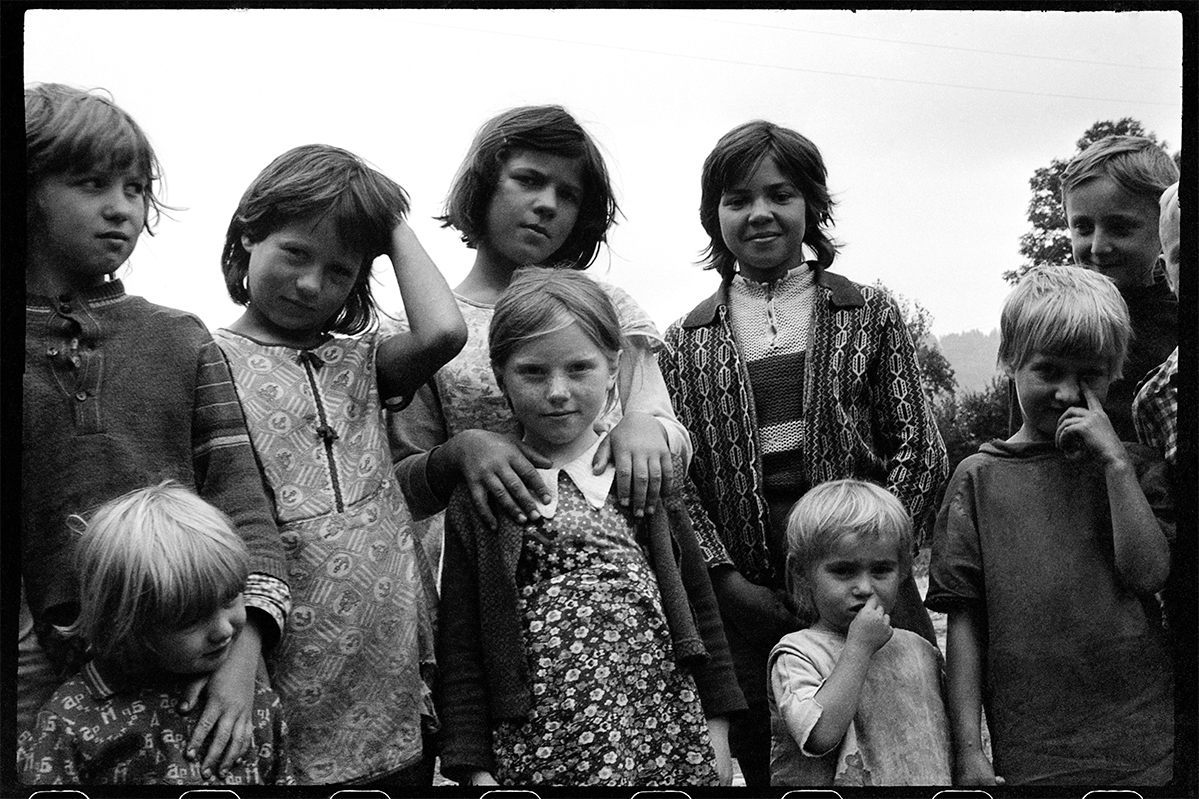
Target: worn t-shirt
x=899, y=734
x=1076, y=676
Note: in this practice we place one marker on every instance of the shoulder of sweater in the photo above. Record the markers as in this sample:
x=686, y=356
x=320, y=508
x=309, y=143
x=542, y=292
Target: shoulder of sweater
x=843, y=292
x=168, y=320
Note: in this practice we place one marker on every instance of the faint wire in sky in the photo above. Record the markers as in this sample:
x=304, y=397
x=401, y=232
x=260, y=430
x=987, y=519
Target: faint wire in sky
x=926, y=44
x=642, y=51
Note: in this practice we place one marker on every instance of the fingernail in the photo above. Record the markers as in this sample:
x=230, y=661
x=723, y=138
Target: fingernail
x=522, y=518
x=207, y=773
x=545, y=499
x=191, y=754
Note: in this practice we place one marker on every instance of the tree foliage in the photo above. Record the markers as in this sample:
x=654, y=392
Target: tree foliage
x=936, y=375
x=966, y=419
x=1048, y=243
x=970, y=419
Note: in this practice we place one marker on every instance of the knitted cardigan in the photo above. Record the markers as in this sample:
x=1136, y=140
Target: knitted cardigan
x=865, y=415
x=481, y=658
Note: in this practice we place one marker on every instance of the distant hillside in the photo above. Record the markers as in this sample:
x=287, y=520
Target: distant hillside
x=972, y=356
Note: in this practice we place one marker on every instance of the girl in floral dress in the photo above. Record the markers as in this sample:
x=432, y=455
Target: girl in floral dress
x=533, y=190
x=583, y=647
x=310, y=368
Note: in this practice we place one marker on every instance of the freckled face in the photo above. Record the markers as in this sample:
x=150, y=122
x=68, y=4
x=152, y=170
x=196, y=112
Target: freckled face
x=558, y=384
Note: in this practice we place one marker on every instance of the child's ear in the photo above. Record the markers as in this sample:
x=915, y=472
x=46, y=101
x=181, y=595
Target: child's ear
x=498, y=371
x=246, y=243
x=614, y=364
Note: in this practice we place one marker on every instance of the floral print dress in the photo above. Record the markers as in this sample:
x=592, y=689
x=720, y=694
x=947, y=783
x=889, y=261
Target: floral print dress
x=610, y=706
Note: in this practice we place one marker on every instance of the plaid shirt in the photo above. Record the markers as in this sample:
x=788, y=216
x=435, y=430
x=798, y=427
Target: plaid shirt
x=1155, y=409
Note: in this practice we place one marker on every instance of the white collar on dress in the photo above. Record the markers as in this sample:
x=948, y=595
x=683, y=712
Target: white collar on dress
x=594, y=487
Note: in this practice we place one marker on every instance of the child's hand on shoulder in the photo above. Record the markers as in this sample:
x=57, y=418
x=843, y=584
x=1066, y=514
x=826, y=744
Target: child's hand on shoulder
x=500, y=468
x=638, y=448
x=1087, y=432
x=871, y=628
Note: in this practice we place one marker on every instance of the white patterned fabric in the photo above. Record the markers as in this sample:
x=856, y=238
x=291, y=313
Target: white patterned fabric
x=353, y=665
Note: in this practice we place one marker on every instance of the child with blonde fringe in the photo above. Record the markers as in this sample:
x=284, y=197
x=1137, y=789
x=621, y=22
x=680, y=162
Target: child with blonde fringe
x=1047, y=555
x=853, y=700
x=161, y=578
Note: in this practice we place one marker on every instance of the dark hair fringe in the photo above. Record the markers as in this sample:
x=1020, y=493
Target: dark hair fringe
x=737, y=154
x=544, y=129
x=325, y=182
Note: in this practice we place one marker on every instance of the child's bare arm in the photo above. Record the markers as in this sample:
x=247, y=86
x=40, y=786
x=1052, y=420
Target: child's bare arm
x=227, y=721
x=838, y=697
x=435, y=332
x=963, y=658
x=1142, y=553
x=718, y=732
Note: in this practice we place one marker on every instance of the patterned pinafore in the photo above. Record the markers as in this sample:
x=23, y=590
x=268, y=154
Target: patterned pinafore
x=353, y=666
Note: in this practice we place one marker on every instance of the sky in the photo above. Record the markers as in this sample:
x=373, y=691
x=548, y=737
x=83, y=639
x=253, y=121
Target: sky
x=930, y=122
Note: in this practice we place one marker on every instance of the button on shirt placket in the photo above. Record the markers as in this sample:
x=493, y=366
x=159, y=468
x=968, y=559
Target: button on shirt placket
x=77, y=376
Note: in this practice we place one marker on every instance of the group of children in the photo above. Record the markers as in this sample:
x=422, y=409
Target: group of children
x=519, y=530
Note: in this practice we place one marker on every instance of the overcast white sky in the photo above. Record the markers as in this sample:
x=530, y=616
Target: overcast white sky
x=931, y=122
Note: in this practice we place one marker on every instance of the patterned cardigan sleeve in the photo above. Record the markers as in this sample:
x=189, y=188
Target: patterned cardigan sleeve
x=916, y=461
x=706, y=534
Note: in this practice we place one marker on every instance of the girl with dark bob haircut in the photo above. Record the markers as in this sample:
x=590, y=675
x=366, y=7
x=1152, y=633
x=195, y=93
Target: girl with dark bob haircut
x=318, y=180
x=787, y=377
x=737, y=154
x=532, y=190
x=541, y=128
x=298, y=256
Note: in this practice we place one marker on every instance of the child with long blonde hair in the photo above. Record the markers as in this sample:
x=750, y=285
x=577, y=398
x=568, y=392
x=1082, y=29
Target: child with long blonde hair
x=162, y=577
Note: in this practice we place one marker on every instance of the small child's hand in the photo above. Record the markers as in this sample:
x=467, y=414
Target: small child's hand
x=1088, y=431
x=871, y=628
